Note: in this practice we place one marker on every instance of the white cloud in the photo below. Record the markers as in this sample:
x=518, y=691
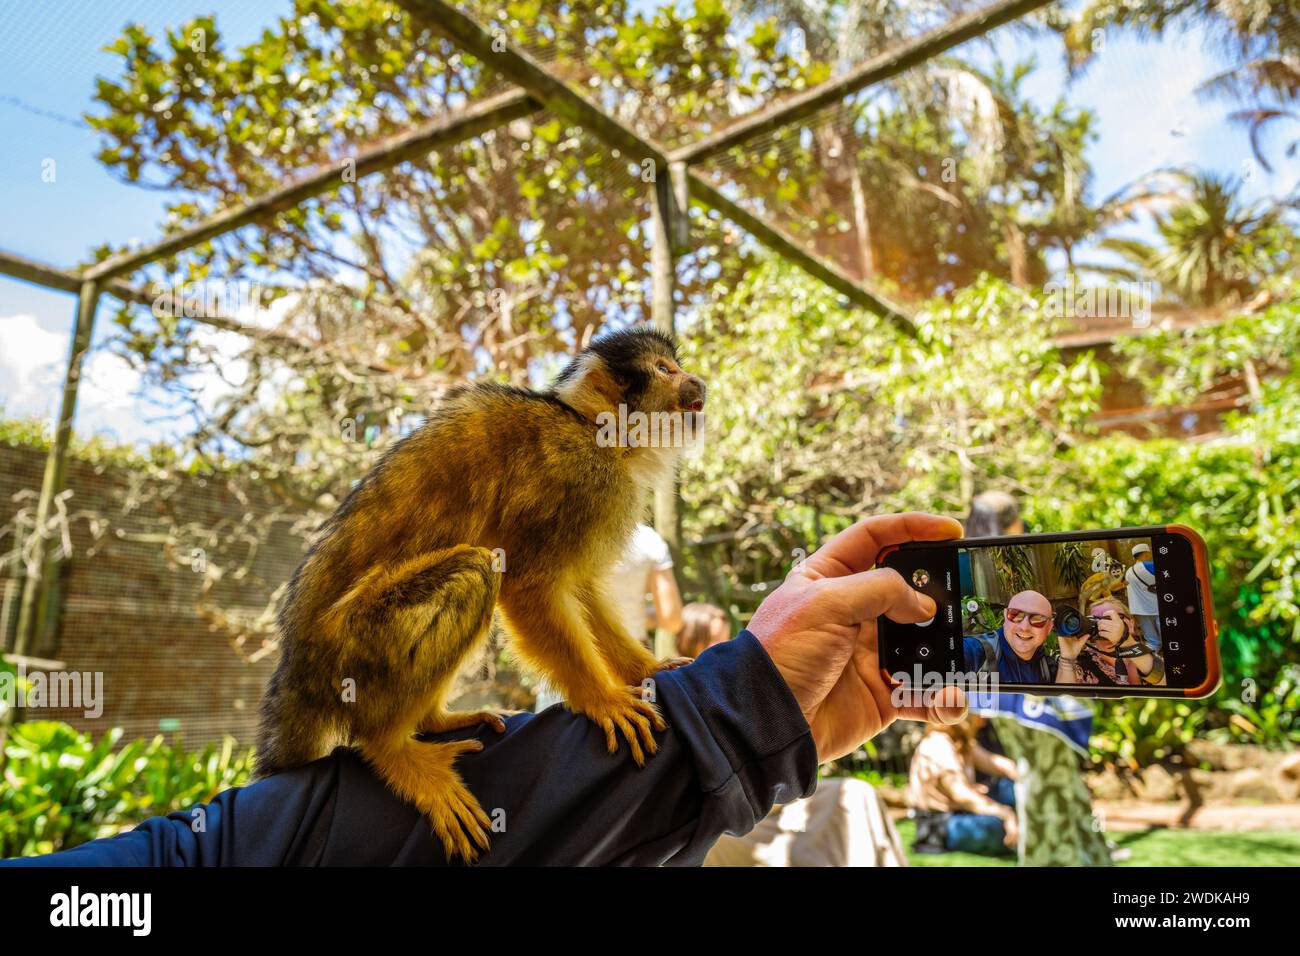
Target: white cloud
x=33, y=361
x=31, y=366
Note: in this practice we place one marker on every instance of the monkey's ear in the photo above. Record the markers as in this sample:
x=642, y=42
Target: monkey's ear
x=589, y=387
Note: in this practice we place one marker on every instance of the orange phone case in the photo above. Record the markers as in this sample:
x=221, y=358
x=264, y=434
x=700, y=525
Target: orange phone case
x=1213, y=669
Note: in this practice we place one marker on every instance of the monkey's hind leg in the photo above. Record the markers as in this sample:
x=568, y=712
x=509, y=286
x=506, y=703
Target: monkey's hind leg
x=291, y=732
x=425, y=616
x=424, y=775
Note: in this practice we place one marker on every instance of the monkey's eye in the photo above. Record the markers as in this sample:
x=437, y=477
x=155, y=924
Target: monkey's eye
x=663, y=367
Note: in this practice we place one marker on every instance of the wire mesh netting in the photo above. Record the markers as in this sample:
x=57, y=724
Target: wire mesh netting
x=490, y=255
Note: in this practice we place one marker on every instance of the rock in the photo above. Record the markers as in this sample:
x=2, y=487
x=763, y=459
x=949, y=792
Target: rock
x=1290, y=767
x=1107, y=785
x=1231, y=756
x=1157, y=783
x=1253, y=784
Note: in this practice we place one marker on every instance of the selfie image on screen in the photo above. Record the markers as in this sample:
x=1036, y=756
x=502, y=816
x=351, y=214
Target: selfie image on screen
x=1072, y=612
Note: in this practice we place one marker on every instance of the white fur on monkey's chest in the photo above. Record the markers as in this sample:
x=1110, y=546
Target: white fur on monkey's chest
x=652, y=467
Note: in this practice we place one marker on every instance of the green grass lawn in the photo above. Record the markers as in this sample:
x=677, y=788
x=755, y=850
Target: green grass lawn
x=1155, y=847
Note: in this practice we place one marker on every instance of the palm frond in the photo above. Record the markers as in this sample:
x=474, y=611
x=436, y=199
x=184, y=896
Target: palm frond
x=1256, y=120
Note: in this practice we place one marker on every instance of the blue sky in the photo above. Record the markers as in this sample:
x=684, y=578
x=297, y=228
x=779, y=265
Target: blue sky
x=49, y=57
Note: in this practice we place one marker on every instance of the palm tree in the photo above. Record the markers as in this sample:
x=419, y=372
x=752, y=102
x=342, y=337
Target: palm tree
x=1263, y=35
x=879, y=161
x=1215, y=248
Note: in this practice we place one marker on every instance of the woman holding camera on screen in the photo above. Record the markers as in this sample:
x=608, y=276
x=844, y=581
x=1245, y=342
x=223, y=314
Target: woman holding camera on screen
x=1109, y=651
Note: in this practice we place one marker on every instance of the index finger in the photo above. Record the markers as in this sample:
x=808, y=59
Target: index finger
x=855, y=548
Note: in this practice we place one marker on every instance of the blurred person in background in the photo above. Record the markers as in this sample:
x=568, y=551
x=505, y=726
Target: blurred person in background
x=954, y=813
x=992, y=513
x=1141, y=579
x=703, y=625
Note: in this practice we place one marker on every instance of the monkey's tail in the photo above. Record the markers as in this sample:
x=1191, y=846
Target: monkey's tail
x=289, y=735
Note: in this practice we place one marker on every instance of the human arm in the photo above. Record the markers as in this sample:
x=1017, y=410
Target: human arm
x=748, y=723
x=962, y=797
x=737, y=744
x=995, y=765
x=667, y=600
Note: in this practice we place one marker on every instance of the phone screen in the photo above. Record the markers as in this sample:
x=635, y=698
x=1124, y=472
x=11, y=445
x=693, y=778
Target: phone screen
x=1087, y=613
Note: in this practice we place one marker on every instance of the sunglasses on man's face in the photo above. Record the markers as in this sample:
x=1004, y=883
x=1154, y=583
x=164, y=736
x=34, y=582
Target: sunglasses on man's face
x=1015, y=616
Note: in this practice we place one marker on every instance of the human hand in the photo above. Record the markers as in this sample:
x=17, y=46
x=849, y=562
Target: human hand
x=819, y=628
x=1011, y=828
x=1112, y=628
x=1072, y=646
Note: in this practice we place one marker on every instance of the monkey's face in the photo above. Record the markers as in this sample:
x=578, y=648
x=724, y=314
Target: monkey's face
x=664, y=386
x=635, y=368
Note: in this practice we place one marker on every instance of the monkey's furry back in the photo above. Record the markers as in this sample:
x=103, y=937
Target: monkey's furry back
x=495, y=467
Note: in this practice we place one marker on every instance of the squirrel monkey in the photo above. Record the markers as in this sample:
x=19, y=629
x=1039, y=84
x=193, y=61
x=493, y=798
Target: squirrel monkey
x=505, y=496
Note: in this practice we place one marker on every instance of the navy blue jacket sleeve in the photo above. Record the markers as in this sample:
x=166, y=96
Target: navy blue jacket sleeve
x=737, y=743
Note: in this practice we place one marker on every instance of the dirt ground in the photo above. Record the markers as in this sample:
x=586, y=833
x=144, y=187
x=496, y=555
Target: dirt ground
x=1139, y=815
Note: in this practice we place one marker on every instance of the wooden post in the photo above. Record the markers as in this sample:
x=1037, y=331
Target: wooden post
x=671, y=238
x=663, y=267
x=33, y=608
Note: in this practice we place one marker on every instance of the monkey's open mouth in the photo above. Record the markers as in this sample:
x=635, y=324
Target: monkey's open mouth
x=696, y=406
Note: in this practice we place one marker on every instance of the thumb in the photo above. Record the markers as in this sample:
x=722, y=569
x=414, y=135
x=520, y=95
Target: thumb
x=869, y=594
x=946, y=705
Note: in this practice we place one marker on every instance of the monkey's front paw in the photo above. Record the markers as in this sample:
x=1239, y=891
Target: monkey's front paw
x=630, y=715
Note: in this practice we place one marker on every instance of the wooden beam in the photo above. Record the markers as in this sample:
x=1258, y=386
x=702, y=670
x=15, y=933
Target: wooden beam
x=51, y=277
x=559, y=99
x=539, y=88
x=518, y=66
x=477, y=118
x=38, y=273
x=784, y=245
x=678, y=198
x=882, y=67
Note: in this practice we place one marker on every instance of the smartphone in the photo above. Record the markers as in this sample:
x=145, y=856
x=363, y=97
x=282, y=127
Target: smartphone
x=1123, y=612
